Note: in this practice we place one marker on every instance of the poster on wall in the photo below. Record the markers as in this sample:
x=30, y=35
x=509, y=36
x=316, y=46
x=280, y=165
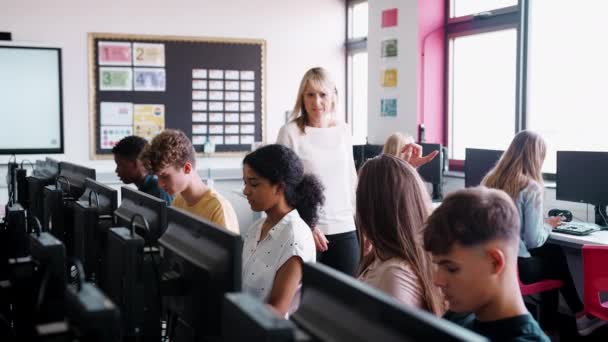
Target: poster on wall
x=114, y=53
x=115, y=79
x=389, y=48
x=116, y=113
x=111, y=135
x=389, y=17
x=148, y=120
x=146, y=54
x=389, y=78
x=149, y=79
x=388, y=107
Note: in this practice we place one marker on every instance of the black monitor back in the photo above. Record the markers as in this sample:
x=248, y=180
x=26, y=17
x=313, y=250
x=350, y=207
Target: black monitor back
x=76, y=176
x=582, y=177
x=100, y=196
x=93, y=217
x=337, y=307
x=153, y=209
x=124, y=280
x=91, y=315
x=477, y=164
x=44, y=174
x=248, y=318
x=206, y=260
x=432, y=172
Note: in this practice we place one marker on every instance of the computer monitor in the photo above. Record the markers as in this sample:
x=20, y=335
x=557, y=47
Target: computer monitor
x=477, y=164
x=75, y=176
x=432, y=172
x=131, y=272
x=124, y=280
x=91, y=315
x=93, y=217
x=337, y=307
x=358, y=155
x=371, y=151
x=152, y=208
x=44, y=174
x=202, y=262
x=582, y=176
x=246, y=318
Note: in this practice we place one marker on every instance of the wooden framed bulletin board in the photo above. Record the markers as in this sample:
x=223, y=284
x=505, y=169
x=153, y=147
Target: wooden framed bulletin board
x=210, y=88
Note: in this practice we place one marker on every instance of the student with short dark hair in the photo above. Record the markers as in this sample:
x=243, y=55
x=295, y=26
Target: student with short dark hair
x=276, y=246
x=474, y=239
x=131, y=170
x=170, y=156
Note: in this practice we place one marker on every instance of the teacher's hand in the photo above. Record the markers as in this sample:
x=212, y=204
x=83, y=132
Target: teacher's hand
x=321, y=241
x=412, y=153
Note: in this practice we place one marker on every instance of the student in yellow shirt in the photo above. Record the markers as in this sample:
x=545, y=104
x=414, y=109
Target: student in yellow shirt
x=171, y=157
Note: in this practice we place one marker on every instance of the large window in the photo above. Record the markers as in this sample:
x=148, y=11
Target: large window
x=567, y=73
x=538, y=65
x=482, y=76
x=356, y=64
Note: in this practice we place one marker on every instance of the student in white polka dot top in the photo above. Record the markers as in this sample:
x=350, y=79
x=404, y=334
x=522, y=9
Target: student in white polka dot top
x=276, y=246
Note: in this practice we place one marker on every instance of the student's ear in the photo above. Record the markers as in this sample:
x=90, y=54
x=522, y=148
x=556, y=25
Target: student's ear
x=280, y=188
x=187, y=167
x=497, y=258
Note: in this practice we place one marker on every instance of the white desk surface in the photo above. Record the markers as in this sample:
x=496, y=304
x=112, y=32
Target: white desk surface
x=595, y=238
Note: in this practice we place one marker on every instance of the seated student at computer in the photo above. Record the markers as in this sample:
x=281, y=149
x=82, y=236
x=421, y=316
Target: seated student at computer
x=403, y=146
x=518, y=173
x=392, y=206
x=171, y=157
x=473, y=237
x=131, y=170
x=276, y=246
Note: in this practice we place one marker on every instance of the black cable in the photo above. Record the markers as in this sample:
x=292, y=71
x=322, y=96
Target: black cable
x=148, y=242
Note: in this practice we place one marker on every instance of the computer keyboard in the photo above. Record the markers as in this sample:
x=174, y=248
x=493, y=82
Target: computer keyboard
x=577, y=228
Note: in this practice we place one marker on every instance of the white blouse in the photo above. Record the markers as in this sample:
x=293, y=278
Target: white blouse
x=328, y=154
x=289, y=237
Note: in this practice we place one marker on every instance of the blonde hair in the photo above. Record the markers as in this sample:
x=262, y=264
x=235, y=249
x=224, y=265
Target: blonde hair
x=521, y=163
x=395, y=143
x=317, y=77
x=392, y=207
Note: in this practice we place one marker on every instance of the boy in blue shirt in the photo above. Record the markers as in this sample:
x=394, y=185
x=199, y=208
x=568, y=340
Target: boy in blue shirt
x=131, y=170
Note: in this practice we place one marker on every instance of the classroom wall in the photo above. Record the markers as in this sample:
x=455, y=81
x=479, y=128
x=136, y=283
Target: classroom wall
x=406, y=32
x=299, y=35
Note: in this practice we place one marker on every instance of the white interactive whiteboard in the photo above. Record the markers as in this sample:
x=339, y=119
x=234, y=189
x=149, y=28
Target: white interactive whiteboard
x=30, y=99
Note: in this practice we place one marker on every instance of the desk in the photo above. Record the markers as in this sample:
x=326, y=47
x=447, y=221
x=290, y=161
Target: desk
x=574, y=241
x=572, y=246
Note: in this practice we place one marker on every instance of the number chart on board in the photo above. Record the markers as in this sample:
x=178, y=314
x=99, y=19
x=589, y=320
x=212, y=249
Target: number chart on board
x=210, y=88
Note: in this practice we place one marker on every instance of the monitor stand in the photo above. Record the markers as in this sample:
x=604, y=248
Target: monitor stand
x=601, y=218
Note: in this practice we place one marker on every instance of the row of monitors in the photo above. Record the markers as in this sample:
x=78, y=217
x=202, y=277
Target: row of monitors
x=581, y=176
x=200, y=262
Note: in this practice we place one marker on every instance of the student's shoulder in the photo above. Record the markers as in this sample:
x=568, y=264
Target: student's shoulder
x=290, y=128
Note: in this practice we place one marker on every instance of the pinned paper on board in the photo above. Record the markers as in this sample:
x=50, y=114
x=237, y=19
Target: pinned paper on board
x=148, y=120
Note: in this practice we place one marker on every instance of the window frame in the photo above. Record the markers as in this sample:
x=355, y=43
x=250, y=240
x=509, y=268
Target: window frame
x=487, y=21
x=352, y=46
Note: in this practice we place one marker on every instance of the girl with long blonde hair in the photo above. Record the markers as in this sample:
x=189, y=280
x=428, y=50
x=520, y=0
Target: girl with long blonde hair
x=519, y=174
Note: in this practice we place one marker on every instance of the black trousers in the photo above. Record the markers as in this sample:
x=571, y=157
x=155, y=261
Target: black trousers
x=549, y=262
x=342, y=253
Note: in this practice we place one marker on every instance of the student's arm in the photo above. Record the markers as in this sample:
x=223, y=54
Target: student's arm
x=534, y=231
x=286, y=282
